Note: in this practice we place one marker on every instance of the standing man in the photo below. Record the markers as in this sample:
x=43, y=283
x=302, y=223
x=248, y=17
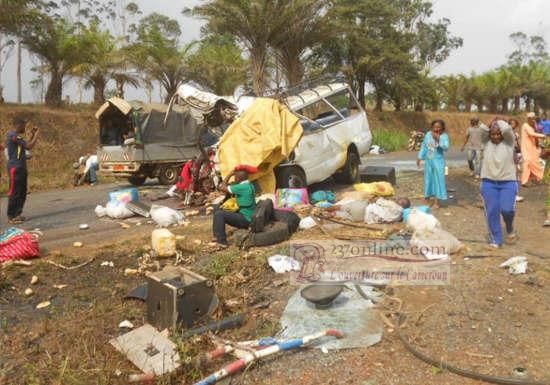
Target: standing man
x=17, y=168
x=474, y=146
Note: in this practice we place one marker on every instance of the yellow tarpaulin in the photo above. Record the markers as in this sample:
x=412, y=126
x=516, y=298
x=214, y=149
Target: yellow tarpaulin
x=263, y=137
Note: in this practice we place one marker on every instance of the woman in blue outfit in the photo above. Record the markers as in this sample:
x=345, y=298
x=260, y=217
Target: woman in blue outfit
x=432, y=152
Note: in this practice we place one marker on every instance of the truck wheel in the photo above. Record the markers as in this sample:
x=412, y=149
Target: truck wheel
x=137, y=180
x=350, y=173
x=168, y=175
x=285, y=174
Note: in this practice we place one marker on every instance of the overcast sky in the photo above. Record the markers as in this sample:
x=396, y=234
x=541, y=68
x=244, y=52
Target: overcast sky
x=483, y=24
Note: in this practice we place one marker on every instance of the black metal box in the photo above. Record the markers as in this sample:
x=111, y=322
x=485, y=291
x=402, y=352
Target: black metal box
x=369, y=174
x=178, y=297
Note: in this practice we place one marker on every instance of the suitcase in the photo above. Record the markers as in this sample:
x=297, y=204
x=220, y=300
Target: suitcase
x=369, y=174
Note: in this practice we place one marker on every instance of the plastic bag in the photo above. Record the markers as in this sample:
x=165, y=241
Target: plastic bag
x=117, y=211
x=423, y=208
x=381, y=189
x=319, y=196
x=231, y=205
x=100, y=211
x=165, y=216
x=516, y=265
x=383, y=211
x=419, y=220
x=283, y=263
x=307, y=223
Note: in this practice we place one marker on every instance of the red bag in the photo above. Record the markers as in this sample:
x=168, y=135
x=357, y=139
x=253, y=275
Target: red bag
x=247, y=168
x=21, y=246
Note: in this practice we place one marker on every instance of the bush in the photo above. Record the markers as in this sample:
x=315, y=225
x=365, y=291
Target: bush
x=390, y=140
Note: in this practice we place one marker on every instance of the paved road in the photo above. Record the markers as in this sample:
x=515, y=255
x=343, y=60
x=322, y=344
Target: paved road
x=59, y=213
x=406, y=160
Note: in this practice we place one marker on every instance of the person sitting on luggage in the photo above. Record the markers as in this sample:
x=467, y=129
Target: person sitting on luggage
x=245, y=195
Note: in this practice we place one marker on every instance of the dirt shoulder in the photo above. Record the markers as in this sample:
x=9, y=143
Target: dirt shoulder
x=486, y=320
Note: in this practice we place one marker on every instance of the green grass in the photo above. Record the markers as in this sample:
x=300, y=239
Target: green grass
x=389, y=140
x=221, y=263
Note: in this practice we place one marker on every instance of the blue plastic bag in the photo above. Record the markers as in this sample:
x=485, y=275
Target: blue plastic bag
x=424, y=209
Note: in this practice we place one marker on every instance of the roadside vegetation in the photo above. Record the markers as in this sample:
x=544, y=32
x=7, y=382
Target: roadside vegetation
x=389, y=140
x=387, y=48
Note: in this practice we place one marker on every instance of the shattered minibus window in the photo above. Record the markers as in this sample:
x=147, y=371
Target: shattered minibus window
x=345, y=103
x=321, y=113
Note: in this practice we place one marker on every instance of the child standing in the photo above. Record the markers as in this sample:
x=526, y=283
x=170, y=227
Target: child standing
x=432, y=152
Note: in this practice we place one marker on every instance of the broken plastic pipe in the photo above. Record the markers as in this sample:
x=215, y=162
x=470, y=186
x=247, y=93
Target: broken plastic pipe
x=241, y=363
x=228, y=348
x=224, y=324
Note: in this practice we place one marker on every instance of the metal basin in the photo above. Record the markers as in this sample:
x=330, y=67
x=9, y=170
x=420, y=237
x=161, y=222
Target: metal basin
x=321, y=295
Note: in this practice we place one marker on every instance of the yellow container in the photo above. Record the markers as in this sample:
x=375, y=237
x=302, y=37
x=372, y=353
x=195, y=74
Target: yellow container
x=163, y=243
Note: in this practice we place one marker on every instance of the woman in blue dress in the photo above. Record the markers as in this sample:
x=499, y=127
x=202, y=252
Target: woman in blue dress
x=432, y=152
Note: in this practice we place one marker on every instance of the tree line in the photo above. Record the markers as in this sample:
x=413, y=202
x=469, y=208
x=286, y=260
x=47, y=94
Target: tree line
x=522, y=84
x=386, y=50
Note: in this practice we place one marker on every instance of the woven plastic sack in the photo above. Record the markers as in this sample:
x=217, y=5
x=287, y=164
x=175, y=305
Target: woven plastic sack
x=21, y=246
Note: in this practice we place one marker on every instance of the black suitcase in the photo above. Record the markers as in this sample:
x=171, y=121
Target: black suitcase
x=369, y=174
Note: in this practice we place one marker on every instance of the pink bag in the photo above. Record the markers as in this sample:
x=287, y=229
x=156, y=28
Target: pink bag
x=287, y=198
x=21, y=246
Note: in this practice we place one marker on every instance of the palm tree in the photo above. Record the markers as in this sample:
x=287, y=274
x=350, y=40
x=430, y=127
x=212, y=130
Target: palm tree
x=538, y=84
x=504, y=87
x=518, y=85
x=218, y=65
x=481, y=95
x=55, y=42
x=489, y=84
x=158, y=54
x=254, y=23
x=469, y=90
x=304, y=29
x=104, y=62
x=451, y=87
